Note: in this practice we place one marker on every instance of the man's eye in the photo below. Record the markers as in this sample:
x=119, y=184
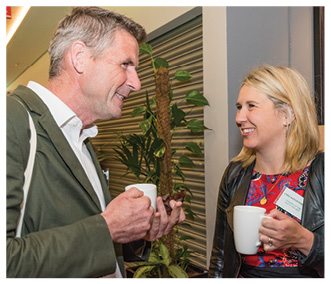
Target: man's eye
x=251, y=105
x=239, y=107
x=126, y=64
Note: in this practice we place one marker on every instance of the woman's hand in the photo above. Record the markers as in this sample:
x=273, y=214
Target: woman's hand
x=283, y=232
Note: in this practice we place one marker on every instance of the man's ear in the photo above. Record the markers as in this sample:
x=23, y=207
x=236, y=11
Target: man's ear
x=78, y=55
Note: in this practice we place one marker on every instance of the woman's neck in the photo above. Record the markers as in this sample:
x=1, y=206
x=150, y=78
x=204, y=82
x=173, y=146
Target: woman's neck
x=269, y=164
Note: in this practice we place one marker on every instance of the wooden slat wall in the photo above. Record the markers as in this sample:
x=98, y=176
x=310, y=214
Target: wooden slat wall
x=182, y=47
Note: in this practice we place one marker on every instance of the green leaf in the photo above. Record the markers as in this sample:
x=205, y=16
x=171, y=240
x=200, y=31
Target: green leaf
x=135, y=154
x=138, y=111
x=182, y=75
x=142, y=271
x=184, y=238
x=145, y=48
x=177, y=114
x=185, y=161
x=164, y=251
x=146, y=124
x=159, y=152
x=194, y=148
x=178, y=186
x=157, y=148
x=171, y=95
x=148, y=106
x=102, y=157
x=185, y=224
x=160, y=62
x=196, y=125
x=153, y=101
x=167, y=261
x=179, y=172
x=196, y=98
x=187, y=198
x=176, y=271
x=154, y=258
x=189, y=214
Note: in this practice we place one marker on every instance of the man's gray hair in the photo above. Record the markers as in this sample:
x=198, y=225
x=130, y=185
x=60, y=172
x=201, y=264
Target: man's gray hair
x=92, y=25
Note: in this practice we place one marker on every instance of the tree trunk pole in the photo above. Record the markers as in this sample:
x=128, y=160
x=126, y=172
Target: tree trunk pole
x=162, y=87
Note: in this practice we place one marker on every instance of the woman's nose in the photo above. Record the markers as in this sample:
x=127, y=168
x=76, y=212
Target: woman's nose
x=240, y=116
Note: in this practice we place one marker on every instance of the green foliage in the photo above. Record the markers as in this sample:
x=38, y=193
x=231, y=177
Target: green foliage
x=196, y=98
x=145, y=48
x=161, y=265
x=141, y=154
x=182, y=75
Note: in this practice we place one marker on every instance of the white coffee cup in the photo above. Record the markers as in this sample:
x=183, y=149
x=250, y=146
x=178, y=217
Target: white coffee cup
x=149, y=190
x=246, y=223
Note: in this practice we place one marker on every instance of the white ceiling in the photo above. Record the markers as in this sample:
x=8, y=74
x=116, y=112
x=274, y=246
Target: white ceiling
x=32, y=38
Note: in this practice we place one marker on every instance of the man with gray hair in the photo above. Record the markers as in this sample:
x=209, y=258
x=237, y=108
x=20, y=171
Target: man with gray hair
x=71, y=226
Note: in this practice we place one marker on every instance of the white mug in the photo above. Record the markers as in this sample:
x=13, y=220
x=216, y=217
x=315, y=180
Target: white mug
x=148, y=189
x=246, y=223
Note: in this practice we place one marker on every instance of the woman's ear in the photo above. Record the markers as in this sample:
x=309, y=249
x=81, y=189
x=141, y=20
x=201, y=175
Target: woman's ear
x=289, y=116
x=78, y=56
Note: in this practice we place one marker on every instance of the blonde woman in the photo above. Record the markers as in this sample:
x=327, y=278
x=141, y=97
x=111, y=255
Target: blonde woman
x=277, y=119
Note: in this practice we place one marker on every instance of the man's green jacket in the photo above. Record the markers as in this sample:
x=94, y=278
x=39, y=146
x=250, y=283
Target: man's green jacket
x=63, y=233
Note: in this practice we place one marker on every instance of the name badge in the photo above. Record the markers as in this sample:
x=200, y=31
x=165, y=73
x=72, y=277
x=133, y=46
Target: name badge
x=291, y=202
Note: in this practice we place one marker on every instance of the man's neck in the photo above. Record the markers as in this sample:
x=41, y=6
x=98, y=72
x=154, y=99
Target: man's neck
x=68, y=92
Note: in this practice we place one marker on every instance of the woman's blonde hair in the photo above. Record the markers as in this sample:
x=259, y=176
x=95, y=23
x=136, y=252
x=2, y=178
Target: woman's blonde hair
x=286, y=88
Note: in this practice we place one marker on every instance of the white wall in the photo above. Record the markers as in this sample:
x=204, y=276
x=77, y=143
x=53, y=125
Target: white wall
x=151, y=18
x=37, y=72
x=215, y=77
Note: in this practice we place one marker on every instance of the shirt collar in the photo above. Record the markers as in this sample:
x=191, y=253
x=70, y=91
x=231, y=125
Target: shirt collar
x=59, y=110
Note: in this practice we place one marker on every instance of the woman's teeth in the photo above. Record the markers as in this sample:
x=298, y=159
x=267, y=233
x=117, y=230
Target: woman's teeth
x=247, y=130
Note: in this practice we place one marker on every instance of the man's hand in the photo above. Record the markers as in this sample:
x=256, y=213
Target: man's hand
x=163, y=223
x=129, y=216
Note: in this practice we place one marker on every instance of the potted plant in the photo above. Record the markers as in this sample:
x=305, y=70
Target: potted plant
x=149, y=156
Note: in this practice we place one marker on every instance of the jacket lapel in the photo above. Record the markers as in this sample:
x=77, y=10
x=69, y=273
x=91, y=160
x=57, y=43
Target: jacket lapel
x=239, y=197
x=64, y=149
x=104, y=185
x=60, y=143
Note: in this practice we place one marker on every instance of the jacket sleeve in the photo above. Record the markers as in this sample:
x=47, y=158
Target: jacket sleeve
x=315, y=259
x=217, y=257
x=82, y=249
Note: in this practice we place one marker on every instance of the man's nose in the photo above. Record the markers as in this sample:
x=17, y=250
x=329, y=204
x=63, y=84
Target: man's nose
x=133, y=81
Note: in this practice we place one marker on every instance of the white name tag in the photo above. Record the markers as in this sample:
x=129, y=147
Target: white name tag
x=291, y=202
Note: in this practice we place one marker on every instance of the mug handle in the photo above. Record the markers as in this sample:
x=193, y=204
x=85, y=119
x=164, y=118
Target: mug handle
x=262, y=217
